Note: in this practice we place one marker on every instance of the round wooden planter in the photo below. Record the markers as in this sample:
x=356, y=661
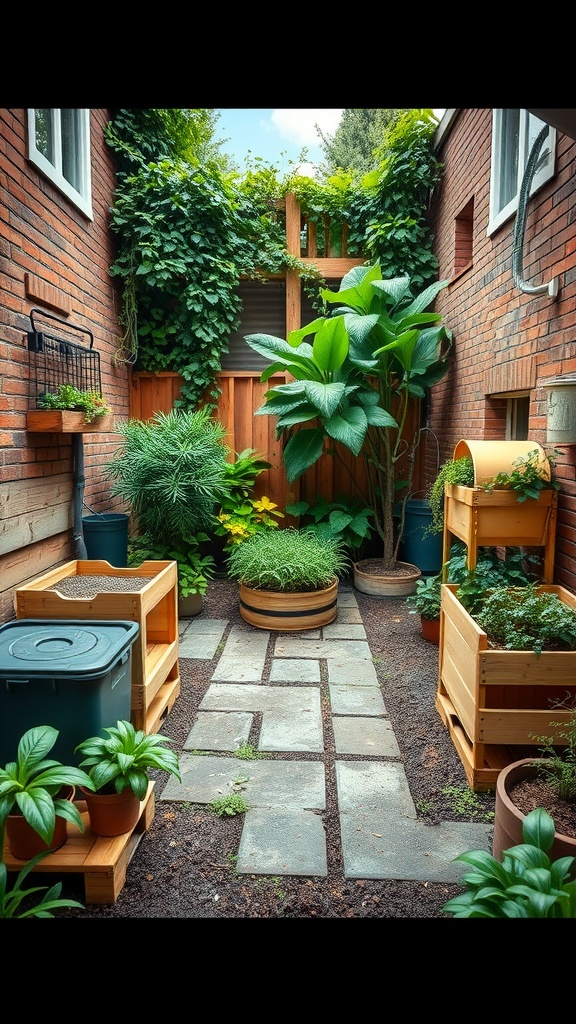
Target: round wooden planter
x=289, y=611
x=430, y=629
x=379, y=585
x=25, y=842
x=508, y=820
x=112, y=814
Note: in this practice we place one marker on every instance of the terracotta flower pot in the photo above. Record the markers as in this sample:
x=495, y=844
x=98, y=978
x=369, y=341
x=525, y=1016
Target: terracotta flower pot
x=430, y=629
x=25, y=842
x=112, y=814
x=508, y=819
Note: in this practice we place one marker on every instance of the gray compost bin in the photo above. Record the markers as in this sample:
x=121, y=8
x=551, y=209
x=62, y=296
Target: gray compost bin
x=75, y=676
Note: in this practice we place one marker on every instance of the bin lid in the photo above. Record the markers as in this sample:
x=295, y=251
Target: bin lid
x=30, y=647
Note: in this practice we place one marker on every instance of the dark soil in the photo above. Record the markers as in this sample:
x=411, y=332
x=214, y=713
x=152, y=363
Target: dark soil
x=184, y=865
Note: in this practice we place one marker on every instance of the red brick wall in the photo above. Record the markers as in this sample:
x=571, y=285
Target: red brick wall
x=501, y=334
x=50, y=252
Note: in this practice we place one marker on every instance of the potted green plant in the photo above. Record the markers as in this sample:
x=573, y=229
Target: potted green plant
x=36, y=796
x=356, y=379
x=172, y=471
x=453, y=471
x=194, y=568
x=118, y=766
x=288, y=579
x=523, y=882
x=426, y=602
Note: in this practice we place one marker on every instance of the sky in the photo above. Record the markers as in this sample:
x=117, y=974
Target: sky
x=276, y=135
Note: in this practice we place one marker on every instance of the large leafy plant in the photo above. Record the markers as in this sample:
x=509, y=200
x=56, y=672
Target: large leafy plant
x=354, y=382
x=525, y=884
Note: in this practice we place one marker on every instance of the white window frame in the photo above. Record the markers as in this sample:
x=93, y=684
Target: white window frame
x=81, y=197
x=529, y=128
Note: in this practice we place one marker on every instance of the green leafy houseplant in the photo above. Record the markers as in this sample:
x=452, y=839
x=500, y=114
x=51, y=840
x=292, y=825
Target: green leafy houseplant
x=66, y=396
x=524, y=884
x=287, y=560
x=355, y=380
x=346, y=519
x=427, y=597
x=18, y=902
x=30, y=785
x=526, y=478
x=121, y=759
x=194, y=568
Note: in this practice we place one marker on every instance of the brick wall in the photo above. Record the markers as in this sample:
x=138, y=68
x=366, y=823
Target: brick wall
x=51, y=257
x=506, y=340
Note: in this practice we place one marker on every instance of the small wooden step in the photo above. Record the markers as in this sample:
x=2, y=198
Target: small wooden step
x=103, y=860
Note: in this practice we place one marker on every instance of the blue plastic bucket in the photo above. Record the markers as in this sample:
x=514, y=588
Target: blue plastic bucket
x=421, y=548
x=106, y=537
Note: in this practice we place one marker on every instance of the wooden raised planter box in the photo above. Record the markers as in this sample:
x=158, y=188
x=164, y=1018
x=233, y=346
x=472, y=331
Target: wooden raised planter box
x=493, y=700
x=155, y=681
x=481, y=519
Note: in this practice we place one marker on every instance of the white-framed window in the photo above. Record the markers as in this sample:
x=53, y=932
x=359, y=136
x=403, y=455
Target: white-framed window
x=517, y=416
x=513, y=134
x=59, y=146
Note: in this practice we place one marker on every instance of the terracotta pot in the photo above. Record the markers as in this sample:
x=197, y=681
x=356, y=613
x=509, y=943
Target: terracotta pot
x=380, y=585
x=112, y=814
x=508, y=819
x=430, y=630
x=24, y=841
x=289, y=611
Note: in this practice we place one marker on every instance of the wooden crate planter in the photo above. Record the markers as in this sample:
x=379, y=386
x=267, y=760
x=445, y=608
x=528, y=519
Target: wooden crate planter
x=492, y=700
x=481, y=519
x=155, y=681
x=102, y=860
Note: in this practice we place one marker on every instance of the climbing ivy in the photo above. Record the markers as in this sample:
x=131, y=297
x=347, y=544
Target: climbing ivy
x=188, y=231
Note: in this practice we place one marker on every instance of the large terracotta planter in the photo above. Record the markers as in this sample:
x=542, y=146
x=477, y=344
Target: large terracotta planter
x=289, y=611
x=112, y=814
x=508, y=819
x=494, y=701
x=24, y=841
x=378, y=584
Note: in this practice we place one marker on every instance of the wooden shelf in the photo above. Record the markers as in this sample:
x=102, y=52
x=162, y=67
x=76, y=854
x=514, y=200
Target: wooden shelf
x=62, y=421
x=102, y=860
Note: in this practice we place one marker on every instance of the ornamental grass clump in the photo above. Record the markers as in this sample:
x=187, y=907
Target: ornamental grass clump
x=287, y=560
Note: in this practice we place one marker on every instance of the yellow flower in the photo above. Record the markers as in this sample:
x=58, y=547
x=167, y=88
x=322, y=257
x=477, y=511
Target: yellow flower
x=264, y=504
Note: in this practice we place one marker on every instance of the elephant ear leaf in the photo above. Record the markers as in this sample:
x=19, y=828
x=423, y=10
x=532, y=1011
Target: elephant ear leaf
x=303, y=449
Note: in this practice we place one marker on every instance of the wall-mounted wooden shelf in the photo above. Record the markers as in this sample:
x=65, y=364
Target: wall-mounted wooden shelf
x=62, y=421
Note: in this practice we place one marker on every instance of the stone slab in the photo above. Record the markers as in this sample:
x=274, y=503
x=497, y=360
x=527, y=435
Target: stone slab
x=351, y=671
x=276, y=842
x=295, y=670
x=263, y=783
x=369, y=736
x=219, y=730
x=356, y=700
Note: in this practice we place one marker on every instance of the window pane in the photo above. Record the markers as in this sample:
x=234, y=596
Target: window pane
x=71, y=129
x=45, y=135
x=509, y=143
